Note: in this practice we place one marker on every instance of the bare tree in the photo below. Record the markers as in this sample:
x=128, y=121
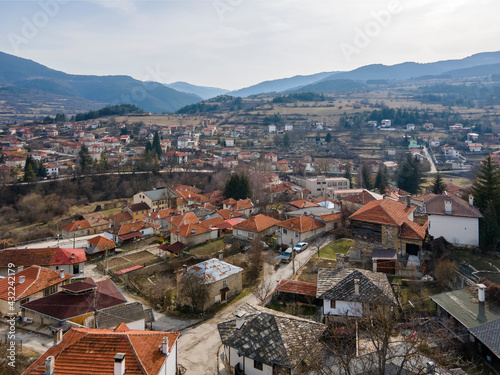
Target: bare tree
x=193, y=288
x=263, y=290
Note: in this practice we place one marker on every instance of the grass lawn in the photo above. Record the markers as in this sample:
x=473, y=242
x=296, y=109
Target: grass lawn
x=208, y=249
x=330, y=251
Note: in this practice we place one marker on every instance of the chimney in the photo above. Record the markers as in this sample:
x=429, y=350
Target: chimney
x=447, y=207
x=240, y=319
x=61, y=274
x=21, y=279
x=408, y=200
x=193, y=231
x=58, y=336
x=184, y=221
x=72, y=256
x=221, y=254
x=119, y=364
x=20, y=269
x=164, y=346
x=304, y=204
x=471, y=199
x=49, y=365
x=481, y=292
x=356, y=287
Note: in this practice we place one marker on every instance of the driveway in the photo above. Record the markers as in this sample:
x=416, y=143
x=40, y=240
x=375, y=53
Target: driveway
x=198, y=345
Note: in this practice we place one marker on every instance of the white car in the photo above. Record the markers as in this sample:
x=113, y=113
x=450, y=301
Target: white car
x=300, y=246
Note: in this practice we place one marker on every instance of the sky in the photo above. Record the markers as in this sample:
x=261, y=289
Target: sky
x=233, y=44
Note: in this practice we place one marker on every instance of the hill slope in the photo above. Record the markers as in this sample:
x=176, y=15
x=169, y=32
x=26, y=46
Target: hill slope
x=154, y=97
x=204, y=92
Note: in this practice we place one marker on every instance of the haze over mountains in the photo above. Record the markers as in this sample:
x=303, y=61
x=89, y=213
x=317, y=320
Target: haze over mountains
x=26, y=80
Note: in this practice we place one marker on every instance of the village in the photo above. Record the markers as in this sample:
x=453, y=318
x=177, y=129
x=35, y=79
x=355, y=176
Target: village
x=278, y=248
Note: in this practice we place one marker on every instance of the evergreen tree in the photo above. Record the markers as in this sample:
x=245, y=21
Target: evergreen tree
x=237, y=187
x=30, y=168
x=409, y=174
x=286, y=140
x=382, y=187
x=438, y=185
x=382, y=178
x=103, y=163
x=149, y=148
x=348, y=175
x=365, y=177
x=489, y=230
x=328, y=138
x=156, y=145
x=84, y=159
x=41, y=170
x=486, y=186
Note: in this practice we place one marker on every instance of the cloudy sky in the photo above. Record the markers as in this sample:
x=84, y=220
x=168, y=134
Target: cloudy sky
x=237, y=43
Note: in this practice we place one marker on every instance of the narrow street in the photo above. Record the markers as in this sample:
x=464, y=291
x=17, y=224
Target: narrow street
x=429, y=157
x=198, y=345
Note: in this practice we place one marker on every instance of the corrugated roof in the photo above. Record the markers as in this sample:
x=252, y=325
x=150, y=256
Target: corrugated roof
x=297, y=287
x=213, y=270
x=43, y=257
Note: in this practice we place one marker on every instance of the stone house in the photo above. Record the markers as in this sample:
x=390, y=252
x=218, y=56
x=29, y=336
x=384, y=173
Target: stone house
x=386, y=224
x=222, y=280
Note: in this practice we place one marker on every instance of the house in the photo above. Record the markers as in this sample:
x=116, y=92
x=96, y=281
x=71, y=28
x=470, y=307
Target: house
x=385, y=123
x=191, y=234
x=92, y=223
x=475, y=147
x=132, y=314
x=222, y=280
x=256, y=227
x=161, y=217
x=120, y=218
x=71, y=261
x=158, y=199
x=176, y=157
x=83, y=351
x=138, y=211
x=229, y=142
x=352, y=291
x=272, y=129
x=470, y=318
x=99, y=246
x=300, y=204
x=75, y=303
x=299, y=229
x=175, y=221
x=52, y=170
x=227, y=214
x=243, y=206
x=428, y=126
x=321, y=185
x=273, y=158
x=132, y=231
x=263, y=341
x=332, y=221
x=453, y=218
x=27, y=285
x=386, y=224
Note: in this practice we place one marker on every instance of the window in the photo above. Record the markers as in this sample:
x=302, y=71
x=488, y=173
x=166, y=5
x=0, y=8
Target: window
x=76, y=269
x=285, y=231
x=297, y=234
x=23, y=301
x=50, y=290
x=257, y=365
x=333, y=304
x=224, y=283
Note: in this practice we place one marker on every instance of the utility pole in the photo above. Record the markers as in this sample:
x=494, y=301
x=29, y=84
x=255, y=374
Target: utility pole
x=74, y=240
x=95, y=307
x=293, y=257
x=106, y=257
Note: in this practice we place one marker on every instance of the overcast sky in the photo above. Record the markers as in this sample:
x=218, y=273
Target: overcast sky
x=238, y=43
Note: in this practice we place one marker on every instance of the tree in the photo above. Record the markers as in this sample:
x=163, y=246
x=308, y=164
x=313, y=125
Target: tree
x=30, y=168
x=489, y=230
x=365, y=177
x=194, y=289
x=382, y=179
x=156, y=145
x=409, y=174
x=41, y=170
x=328, y=137
x=348, y=174
x=84, y=159
x=103, y=165
x=438, y=185
x=286, y=140
x=237, y=187
x=486, y=186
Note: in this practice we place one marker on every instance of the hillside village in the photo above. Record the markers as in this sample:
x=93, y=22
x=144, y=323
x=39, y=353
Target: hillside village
x=268, y=279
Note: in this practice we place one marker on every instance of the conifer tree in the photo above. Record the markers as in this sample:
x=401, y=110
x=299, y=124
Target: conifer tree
x=438, y=185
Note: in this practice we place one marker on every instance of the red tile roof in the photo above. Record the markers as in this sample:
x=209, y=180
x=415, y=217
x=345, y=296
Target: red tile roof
x=362, y=198
x=43, y=257
x=131, y=227
x=301, y=224
x=331, y=217
x=187, y=218
x=189, y=230
x=413, y=230
x=229, y=214
x=174, y=248
x=302, y=203
x=213, y=222
x=257, y=223
x=85, y=351
x=36, y=278
x=102, y=242
x=385, y=211
x=76, y=225
x=242, y=204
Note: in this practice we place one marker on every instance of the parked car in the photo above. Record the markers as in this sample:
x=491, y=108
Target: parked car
x=286, y=256
x=300, y=246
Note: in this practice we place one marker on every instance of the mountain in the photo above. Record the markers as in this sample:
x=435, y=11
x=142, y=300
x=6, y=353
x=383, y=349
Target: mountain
x=279, y=85
x=410, y=70
x=202, y=91
x=150, y=96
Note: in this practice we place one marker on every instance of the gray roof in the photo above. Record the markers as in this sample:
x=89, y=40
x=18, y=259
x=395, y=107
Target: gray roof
x=434, y=205
x=338, y=284
x=311, y=210
x=489, y=335
x=464, y=306
x=111, y=317
x=159, y=194
x=271, y=337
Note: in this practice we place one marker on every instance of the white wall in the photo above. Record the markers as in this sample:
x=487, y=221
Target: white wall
x=457, y=230
x=170, y=365
x=341, y=307
x=234, y=359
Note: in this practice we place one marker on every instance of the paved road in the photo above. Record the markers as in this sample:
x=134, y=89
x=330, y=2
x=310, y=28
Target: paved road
x=198, y=346
x=429, y=157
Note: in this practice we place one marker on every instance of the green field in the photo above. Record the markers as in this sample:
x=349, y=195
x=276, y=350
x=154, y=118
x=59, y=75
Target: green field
x=330, y=251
